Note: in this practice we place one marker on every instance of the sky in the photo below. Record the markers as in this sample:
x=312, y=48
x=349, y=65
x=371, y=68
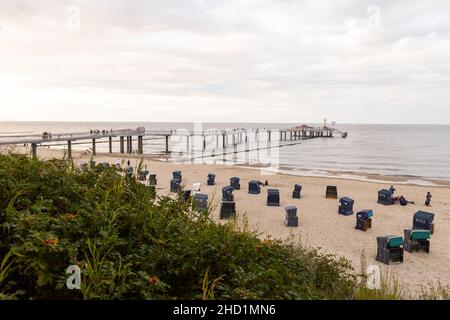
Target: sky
x=350, y=61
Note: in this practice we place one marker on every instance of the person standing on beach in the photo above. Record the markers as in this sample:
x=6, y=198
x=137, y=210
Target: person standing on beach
x=428, y=199
x=392, y=190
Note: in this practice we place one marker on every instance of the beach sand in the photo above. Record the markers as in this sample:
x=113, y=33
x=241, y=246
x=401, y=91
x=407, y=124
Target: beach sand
x=320, y=226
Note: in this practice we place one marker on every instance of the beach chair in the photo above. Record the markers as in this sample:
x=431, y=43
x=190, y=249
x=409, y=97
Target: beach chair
x=152, y=180
x=227, y=210
x=254, y=187
x=297, y=192
x=105, y=165
x=235, y=183
x=129, y=172
x=331, y=192
x=200, y=202
x=152, y=190
x=385, y=197
x=346, y=206
x=423, y=221
x=211, y=179
x=196, y=187
x=390, y=249
x=143, y=175
x=273, y=198
x=177, y=175
x=175, y=185
x=417, y=240
x=291, y=217
x=185, y=196
x=364, y=220
x=227, y=194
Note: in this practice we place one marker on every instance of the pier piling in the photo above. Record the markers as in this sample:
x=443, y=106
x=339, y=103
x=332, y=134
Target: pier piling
x=122, y=144
x=69, y=149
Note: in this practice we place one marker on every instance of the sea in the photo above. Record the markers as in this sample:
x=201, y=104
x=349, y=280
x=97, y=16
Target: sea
x=415, y=152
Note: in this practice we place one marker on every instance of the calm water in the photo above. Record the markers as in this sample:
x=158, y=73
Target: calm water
x=406, y=150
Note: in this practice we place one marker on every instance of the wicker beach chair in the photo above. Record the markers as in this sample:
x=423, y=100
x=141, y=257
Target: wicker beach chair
x=331, y=192
x=177, y=175
x=254, y=187
x=390, y=249
x=200, y=202
x=152, y=180
x=346, y=206
x=385, y=197
x=291, y=217
x=227, y=210
x=211, y=179
x=273, y=197
x=296, y=194
x=175, y=185
x=235, y=183
x=364, y=220
x=227, y=194
x=143, y=175
x=424, y=221
x=417, y=240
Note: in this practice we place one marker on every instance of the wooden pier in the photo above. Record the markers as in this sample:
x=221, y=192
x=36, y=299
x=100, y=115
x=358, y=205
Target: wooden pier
x=223, y=138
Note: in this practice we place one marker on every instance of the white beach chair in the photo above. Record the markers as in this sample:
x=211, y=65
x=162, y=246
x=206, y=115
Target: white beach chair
x=196, y=187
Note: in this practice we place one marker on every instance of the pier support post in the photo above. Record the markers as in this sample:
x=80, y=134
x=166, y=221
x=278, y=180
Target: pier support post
x=141, y=144
x=223, y=140
x=34, y=150
x=167, y=144
x=270, y=135
x=69, y=149
x=131, y=145
x=94, y=147
x=110, y=145
x=204, y=143
x=122, y=144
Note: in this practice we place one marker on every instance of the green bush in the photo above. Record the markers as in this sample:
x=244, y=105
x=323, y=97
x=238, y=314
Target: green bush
x=129, y=246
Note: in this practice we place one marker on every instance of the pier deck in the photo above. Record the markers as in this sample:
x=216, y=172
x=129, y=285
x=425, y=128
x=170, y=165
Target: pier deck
x=236, y=136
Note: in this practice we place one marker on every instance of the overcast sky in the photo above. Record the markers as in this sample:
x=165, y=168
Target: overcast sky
x=225, y=60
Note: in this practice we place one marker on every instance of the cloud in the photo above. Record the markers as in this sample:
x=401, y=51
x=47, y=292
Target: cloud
x=229, y=60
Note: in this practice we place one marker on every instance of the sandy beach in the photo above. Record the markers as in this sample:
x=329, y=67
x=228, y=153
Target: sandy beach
x=320, y=226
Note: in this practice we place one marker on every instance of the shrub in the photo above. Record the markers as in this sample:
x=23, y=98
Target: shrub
x=129, y=246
